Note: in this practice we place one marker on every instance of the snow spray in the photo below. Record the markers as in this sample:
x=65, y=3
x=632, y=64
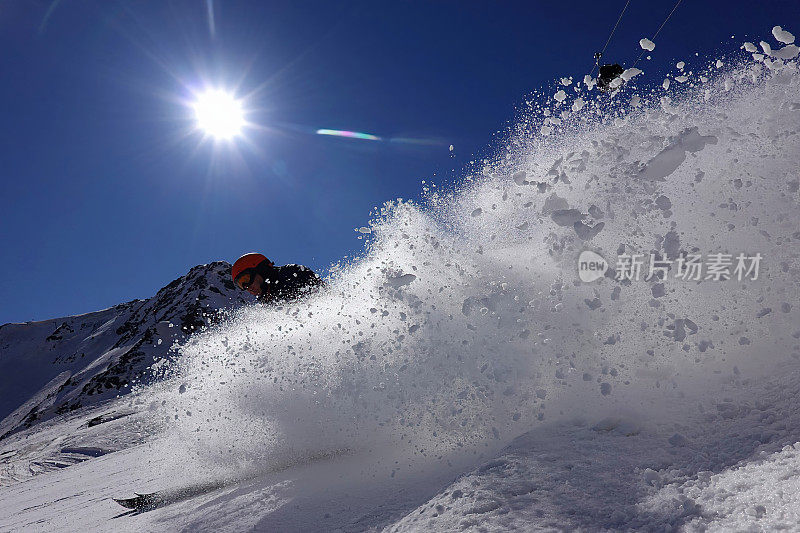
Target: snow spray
x=467, y=322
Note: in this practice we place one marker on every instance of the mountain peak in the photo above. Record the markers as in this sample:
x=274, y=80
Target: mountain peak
x=63, y=364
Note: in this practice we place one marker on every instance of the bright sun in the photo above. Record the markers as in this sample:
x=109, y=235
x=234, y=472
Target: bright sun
x=219, y=114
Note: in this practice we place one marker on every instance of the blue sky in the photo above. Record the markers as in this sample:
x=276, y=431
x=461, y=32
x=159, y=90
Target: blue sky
x=107, y=194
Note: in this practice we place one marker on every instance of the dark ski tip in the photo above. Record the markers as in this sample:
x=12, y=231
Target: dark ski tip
x=142, y=502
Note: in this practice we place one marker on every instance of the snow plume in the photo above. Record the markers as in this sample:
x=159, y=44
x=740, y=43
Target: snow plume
x=420, y=346
x=465, y=322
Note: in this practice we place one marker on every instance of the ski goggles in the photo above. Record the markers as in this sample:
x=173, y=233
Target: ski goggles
x=245, y=278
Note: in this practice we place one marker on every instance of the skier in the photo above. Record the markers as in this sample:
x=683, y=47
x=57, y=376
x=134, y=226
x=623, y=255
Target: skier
x=607, y=74
x=260, y=277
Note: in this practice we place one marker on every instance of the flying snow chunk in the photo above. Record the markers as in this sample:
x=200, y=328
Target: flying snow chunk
x=566, y=82
x=766, y=48
x=560, y=96
x=647, y=44
x=566, y=217
x=682, y=79
x=665, y=85
x=782, y=35
x=629, y=73
x=680, y=65
x=750, y=47
x=670, y=158
x=789, y=51
x=718, y=64
x=589, y=82
x=519, y=177
x=616, y=82
x=578, y=104
x=635, y=100
x=399, y=280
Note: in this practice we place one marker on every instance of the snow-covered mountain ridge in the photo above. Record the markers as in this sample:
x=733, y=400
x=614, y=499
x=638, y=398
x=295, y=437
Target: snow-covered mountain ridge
x=63, y=364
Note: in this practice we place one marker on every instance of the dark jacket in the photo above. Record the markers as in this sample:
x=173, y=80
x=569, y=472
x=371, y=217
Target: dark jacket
x=287, y=282
x=607, y=74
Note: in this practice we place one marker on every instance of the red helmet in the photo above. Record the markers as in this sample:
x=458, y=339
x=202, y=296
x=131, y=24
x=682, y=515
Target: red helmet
x=250, y=260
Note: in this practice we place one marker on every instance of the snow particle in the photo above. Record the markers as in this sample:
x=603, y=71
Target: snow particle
x=647, y=44
x=593, y=304
x=658, y=290
x=663, y=203
x=651, y=477
x=628, y=74
x=678, y=440
x=782, y=35
x=787, y=52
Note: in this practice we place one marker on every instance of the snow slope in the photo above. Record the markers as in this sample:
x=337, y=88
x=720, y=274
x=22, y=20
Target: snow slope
x=475, y=382
x=731, y=466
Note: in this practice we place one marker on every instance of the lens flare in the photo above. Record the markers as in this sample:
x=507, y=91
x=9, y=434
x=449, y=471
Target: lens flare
x=219, y=114
x=349, y=134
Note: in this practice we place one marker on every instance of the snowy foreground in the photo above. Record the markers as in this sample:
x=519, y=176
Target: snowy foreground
x=463, y=375
x=734, y=467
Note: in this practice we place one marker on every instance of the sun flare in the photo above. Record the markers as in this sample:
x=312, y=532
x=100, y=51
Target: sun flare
x=219, y=114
